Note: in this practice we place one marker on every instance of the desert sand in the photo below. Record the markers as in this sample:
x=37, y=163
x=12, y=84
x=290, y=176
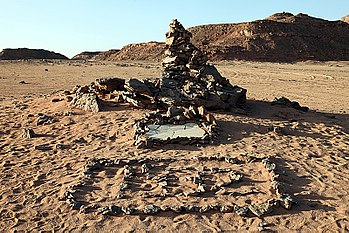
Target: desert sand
x=310, y=148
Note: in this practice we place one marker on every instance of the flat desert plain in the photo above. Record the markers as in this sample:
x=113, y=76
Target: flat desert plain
x=310, y=150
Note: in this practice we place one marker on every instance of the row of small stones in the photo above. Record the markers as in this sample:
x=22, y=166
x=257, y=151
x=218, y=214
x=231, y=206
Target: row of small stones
x=284, y=199
x=142, y=141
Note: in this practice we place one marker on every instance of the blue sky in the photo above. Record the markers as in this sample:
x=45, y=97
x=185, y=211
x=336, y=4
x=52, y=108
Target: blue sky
x=73, y=26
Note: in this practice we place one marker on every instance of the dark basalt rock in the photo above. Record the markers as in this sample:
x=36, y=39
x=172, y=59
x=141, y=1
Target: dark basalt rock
x=43, y=147
x=177, y=209
x=151, y=209
x=287, y=201
x=44, y=119
x=292, y=104
x=261, y=209
x=109, y=85
x=235, y=177
x=128, y=210
x=110, y=210
x=241, y=211
x=128, y=171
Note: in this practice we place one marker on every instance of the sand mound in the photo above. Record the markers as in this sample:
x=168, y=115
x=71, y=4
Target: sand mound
x=24, y=53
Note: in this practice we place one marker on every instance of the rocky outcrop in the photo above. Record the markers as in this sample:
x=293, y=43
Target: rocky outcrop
x=282, y=37
x=24, y=53
x=86, y=55
x=150, y=51
x=104, y=56
x=96, y=56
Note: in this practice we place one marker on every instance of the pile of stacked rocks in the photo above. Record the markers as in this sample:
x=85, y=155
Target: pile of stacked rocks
x=187, y=80
x=188, y=84
x=181, y=55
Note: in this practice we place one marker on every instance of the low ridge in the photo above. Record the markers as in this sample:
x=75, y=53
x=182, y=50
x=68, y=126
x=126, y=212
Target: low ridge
x=282, y=37
x=25, y=53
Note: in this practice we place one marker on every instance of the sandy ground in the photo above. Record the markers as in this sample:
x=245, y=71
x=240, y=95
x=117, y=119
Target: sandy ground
x=311, y=149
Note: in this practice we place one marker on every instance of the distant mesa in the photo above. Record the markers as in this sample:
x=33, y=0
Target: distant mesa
x=25, y=53
x=282, y=37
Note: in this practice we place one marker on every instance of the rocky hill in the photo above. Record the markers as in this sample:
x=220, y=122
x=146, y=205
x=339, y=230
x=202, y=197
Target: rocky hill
x=151, y=51
x=24, y=53
x=86, y=55
x=96, y=56
x=282, y=37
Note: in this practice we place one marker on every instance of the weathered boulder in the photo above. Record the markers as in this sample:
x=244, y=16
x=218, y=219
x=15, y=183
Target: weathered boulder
x=87, y=102
x=292, y=104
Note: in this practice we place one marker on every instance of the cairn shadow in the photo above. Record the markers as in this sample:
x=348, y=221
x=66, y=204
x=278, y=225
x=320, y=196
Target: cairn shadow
x=39, y=135
x=259, y=109
x=231, y=131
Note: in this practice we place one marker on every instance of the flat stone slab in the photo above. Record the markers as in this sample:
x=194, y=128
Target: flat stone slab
x=168, y=131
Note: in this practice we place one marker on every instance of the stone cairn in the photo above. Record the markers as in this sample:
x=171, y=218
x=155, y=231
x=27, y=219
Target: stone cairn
x=182, y=57
x=187, y=80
